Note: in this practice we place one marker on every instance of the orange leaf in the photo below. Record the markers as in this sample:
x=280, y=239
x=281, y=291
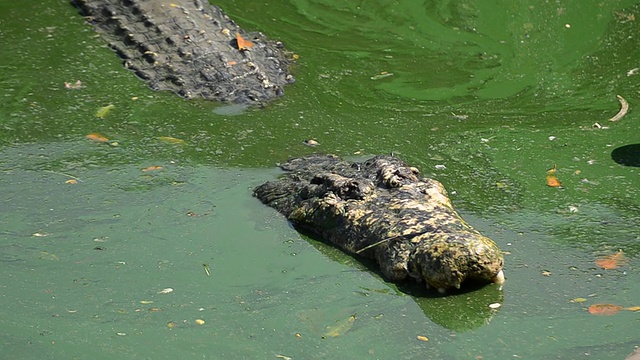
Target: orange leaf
x=152, y=168
x=243, y=44
x=553, y=181
x=97, y=138
x=604, y=309
x=611, y=261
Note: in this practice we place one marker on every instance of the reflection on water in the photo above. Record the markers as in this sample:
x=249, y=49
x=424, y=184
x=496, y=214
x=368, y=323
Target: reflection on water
x=438, y=50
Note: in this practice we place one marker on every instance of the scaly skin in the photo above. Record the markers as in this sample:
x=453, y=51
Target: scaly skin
x=382, y=210
x=190, y=47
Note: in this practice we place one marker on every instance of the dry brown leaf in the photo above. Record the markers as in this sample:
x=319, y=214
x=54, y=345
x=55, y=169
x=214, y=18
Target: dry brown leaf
x=612, y=261
x=604, y=309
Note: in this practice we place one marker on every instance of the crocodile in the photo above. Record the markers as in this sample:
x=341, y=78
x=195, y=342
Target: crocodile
x=191, y=48
x=383, y=210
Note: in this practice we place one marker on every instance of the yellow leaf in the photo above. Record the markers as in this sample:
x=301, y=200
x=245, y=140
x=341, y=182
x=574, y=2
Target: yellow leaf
x=96, y=137
x=633, y=308
x=171, y=140
x=341, y=327
x=578, y=300
x=422, y=338
x=103, y=111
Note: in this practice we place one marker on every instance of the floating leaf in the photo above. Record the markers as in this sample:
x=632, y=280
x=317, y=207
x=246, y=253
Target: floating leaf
x=633, y=308
x=611, y=261
x=171, y=140
x=73, y=86
x=243, y=44
x=152, y=168
x=552, y=180
x=604, y=309
x=199, y=321
x=71, y=181
x=422, y=338
x=341, y=327
x=96, y=137
x=382, y=75
x=578, y=300
x=103, y=111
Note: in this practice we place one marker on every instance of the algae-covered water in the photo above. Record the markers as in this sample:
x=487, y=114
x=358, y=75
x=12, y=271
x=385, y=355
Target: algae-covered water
x=149, y=245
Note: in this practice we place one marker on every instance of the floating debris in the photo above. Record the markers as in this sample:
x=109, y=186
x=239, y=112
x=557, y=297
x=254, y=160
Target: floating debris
x=382, y=75
x=552, y=180
x=73, y=86
x=152, y=168
x=311, y=142
x=624, y=108
x=165, y=291
x=341, y=327
x=171, y=140
x=103, y=111
x=97, y=137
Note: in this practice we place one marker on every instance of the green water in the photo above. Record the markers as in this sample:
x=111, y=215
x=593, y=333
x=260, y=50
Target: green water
x=484, y=96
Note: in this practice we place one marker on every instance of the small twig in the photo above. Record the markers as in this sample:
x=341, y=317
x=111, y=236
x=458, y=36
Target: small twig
x=409, y=236
x=377, y=243
x=624, y=108
x=61, y=173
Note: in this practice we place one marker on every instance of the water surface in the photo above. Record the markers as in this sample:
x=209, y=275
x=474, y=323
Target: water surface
x=483, y=96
